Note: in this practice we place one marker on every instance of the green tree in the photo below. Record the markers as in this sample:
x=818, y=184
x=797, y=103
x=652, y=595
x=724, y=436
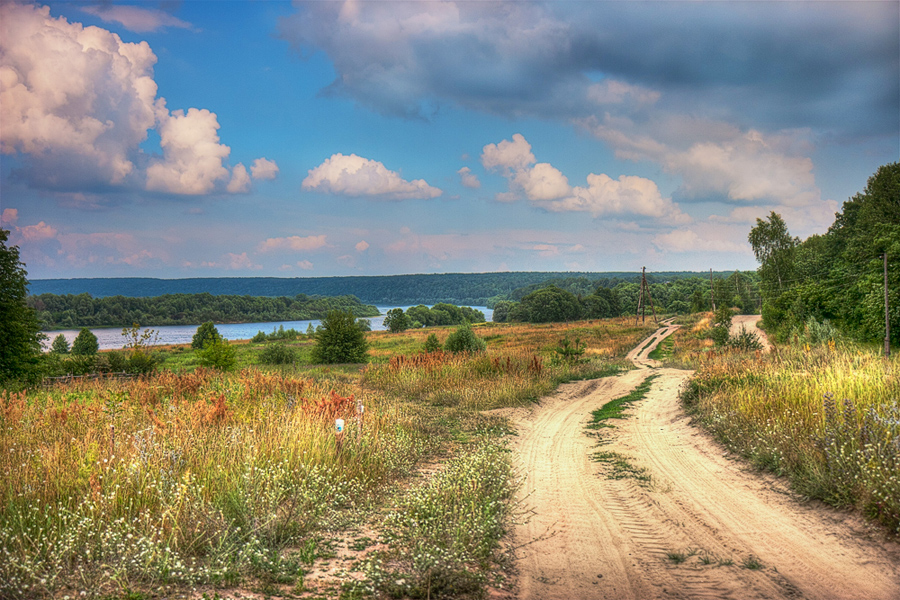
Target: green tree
x=432, y=344
x=207, y=332
x=60, y=345
x=85, y=344
x=20, y=331
x=339, y=340
x=464, y=340
x=548, y=305
x=218, y=354
x=502, y=310
x=397, y=320
x=774, y=248
x=721, y=327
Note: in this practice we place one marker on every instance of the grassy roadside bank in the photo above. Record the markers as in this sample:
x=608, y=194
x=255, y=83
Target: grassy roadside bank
x=824, y=416
x=189, y=482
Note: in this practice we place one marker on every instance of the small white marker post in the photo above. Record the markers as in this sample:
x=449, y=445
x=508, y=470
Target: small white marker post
x=339, y=434
x=360, y=409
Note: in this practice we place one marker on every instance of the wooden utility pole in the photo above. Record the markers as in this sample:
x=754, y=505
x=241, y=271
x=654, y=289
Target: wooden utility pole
x=642, y=307
x=712, y=294
x=887, y=318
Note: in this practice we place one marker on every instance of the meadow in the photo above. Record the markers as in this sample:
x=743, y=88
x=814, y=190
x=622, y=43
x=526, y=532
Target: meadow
x=192, y=480
x=826, y=416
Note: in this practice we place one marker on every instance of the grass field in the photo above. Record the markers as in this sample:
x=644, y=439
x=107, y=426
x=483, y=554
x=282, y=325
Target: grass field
x=193, y=480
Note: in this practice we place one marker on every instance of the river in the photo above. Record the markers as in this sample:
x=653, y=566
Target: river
x=110, y=338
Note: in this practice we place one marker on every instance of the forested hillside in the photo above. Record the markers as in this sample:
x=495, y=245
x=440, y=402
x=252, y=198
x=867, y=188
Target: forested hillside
x=835, y=280
x=61, y=312
x=469, y=289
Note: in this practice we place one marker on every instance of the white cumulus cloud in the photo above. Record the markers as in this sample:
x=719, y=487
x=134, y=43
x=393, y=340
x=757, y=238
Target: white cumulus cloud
x=357, y=176
x=263, y=168
x=76, y=103
x=468, y=178
x=240, y=179
x=547, y=187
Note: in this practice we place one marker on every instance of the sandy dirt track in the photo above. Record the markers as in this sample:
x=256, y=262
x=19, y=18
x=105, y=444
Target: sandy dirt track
x=589, y=536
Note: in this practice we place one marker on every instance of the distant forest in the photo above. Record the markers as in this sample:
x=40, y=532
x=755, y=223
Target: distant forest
x=81, y=310
x=463, y=289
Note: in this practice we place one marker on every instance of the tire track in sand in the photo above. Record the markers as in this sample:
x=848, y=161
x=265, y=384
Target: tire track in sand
x=591, y=537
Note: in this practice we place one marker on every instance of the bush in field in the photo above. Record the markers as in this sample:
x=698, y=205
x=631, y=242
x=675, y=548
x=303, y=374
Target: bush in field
x=570, y=351
x=720, y=330
x=60, y=345
x=397, y=320
x=278, y=354
x=218, y=354
x=205, y=333
x=464, y=340
x=432, y=344
x=744, y=340
x=85, y=344
x=339, y=340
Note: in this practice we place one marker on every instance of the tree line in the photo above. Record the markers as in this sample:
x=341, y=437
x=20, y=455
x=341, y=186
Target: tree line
x=83, y=310
x=462, y=289
x=835, y=282
x=571, y=299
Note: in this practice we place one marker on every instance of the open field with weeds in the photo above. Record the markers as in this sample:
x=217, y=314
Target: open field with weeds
x=194, y=480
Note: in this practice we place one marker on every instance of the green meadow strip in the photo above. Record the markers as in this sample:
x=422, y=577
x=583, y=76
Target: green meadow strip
x=615, y=409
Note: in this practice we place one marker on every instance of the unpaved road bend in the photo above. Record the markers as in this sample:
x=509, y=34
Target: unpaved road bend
x=741, y=535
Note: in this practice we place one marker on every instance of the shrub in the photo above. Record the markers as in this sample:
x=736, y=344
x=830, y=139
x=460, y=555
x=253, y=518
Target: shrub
x=570, y=351
x=464, y=340
x=60, y=345
x=278, y=354
x=432, y=344
x=397, y=320
x=205, y=333
x=85, y=344
x=259, y=337
x=745, y=340
x=218, y=354
x=339, y=340
x=719, y=332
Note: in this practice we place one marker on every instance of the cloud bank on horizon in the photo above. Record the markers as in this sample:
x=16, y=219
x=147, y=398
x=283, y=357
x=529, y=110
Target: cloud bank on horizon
x=407, y=137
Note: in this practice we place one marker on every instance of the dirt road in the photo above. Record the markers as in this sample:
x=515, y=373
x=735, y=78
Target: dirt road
x=740, y=534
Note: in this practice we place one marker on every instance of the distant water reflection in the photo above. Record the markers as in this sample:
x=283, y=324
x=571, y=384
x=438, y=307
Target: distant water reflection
x=110, y=338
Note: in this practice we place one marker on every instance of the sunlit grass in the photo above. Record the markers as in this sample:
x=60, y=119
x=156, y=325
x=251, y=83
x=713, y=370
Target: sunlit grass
x=827, y=417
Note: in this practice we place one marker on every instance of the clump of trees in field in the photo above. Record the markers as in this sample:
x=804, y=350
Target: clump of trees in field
x=440, y=314
x=834, y=281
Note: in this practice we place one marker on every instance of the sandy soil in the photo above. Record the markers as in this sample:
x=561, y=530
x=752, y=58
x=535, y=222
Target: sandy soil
x=742, y=534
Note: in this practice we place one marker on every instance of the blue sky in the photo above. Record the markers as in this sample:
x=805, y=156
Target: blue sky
x=198, y=139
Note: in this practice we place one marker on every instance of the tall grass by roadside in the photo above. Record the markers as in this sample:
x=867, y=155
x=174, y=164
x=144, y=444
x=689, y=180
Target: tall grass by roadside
x=827, y=417
x=444, y=534
x=182, y=479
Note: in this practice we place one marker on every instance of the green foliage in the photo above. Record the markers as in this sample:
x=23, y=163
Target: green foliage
x=744, y=340
x=339, y=340
x=82, y=310
x=60, y=345
x=364, y=325
x=464, y=340
x=20, y=334
x=278, y=354
x=397, y=320
x=570, y=351
x=218, y=354
x=207, y=332
x=432, y=344
x=548, y=305
x=501, y=311
x=721, y=326
x=838, y=276
x=85, y=344
x=443, y=314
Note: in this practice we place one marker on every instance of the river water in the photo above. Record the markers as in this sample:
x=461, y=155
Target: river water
x=110, y=338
